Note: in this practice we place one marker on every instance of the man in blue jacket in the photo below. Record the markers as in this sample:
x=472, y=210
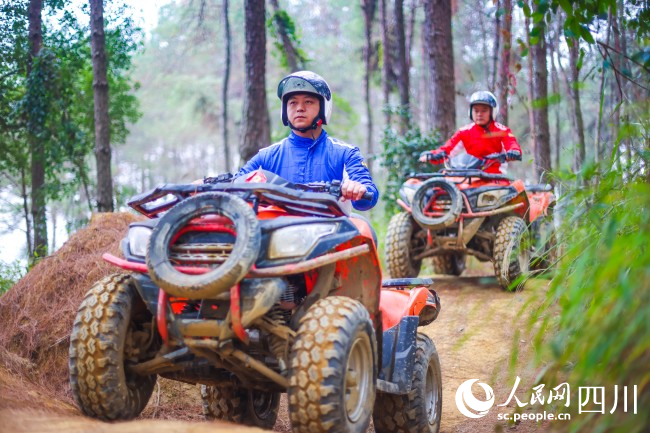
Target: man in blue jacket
x=308, y=154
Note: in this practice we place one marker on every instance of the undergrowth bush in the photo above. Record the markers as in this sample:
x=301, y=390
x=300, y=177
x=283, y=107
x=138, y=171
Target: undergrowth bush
x=593, y=327
x=400, y=157
x=10, y=273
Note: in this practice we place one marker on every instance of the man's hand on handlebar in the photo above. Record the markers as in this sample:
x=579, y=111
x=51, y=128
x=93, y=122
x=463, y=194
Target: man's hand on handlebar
x=432, y=156
x=352, y=190
x=513, y=155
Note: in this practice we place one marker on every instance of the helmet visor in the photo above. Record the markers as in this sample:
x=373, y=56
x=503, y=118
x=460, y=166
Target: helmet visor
x=294, y=84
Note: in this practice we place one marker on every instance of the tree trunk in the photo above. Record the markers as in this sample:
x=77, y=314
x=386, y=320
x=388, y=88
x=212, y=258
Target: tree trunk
x=368, y=7
x=410, y=33
x=617, y=84
x=529, y=88
x=289, y=50
x=480, y=7
x=540, y=108
x=497, y=42
x=37, y=149
x=574, y=53
x=25, y=198
x=567, y=85
x=385, y=42
x=439, y=62
x=555, y=88
x=403, y=81
x=256, y=125
x=102, y=120
x=504, y=62
x=226, y=83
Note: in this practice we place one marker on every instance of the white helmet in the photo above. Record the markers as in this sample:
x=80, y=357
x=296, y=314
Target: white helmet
x=306, y=82
x=485, y=98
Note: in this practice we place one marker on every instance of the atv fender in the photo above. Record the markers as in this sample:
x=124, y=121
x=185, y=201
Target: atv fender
x=420, y=302
x=402, y=311
x=539, y=204
x=398, y=357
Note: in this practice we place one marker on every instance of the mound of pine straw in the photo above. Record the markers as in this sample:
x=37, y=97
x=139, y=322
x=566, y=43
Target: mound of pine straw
x=38, y=312
x=37, y=316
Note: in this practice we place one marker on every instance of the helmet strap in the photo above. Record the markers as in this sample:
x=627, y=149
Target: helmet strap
x=315, y=124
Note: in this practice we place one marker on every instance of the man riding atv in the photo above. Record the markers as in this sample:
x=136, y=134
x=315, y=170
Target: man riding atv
x=484, y=138
x=471, y=208
x=309, y=154
x=257, y=286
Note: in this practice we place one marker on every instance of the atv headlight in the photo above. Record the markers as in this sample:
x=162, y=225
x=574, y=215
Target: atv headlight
x=138, y=239
x=407, y=192
x=491, y=198
x=297, y=240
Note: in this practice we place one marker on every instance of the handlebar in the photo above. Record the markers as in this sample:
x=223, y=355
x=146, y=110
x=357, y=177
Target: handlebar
x=333, y=188
x=299, y=198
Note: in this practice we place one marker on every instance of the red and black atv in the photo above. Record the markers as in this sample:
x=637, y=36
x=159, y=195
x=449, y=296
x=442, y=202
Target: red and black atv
x=463, y=210
x=252, y=288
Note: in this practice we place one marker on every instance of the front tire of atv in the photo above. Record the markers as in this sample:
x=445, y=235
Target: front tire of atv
x=227, y=274
x=402, y=245
x=418, y=411
x=236, y=404
x=108, y=334
x=333, y=368
x=511, y=253
x=449, y=264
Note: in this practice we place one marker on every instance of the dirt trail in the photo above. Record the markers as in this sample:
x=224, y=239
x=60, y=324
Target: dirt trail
x=473, y=336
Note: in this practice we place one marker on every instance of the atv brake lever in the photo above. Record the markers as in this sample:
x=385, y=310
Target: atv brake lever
x=222, y=178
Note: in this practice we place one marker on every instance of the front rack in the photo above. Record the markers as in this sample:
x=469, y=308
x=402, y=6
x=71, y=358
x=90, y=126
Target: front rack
x=294, y=201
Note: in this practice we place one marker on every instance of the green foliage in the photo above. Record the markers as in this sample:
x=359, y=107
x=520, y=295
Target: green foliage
x=400, y=157
x=277, y=22
x=581, y=14
x=10, y=273
x=53, y=104
x=594, y=323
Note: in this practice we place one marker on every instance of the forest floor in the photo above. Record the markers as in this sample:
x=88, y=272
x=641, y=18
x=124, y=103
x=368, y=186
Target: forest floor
x=476, y=336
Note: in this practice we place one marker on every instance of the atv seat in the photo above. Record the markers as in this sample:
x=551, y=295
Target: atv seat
x=406, y=282
x=539, y=188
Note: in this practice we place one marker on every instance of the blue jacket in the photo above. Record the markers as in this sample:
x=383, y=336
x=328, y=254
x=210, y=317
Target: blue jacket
x=303, y=160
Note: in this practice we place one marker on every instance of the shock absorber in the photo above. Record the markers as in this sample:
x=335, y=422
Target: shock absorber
x=280, y=314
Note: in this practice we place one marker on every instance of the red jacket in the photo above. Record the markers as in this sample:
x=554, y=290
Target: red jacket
x=480, y=143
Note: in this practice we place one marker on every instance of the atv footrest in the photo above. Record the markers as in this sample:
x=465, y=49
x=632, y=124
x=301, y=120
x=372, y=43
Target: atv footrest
x=390, y=387
x=406, y=282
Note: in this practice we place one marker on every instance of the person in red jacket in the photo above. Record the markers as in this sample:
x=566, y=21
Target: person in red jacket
x=484, y=138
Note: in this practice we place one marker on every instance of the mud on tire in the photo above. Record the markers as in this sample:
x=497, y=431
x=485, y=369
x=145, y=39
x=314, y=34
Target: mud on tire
x=233, y=403
x=401, y=245
x=108, y=333
x=241, y=258
x=418, y=411
x=511, y=253
x=449, y=264
x=333, y=368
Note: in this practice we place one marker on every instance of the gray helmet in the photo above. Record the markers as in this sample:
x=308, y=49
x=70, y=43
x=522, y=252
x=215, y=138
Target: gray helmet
x=306, y=82
x=484, y=97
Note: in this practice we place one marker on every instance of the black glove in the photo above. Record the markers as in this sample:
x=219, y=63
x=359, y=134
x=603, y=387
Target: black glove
x=431, y=156
x=513, y=155
x=497, y=156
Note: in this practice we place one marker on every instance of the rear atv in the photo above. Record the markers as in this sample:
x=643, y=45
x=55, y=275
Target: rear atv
x=465, y=211
x=252, y=289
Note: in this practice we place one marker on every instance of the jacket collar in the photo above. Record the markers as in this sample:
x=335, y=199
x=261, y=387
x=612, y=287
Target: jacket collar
x=299, y=141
